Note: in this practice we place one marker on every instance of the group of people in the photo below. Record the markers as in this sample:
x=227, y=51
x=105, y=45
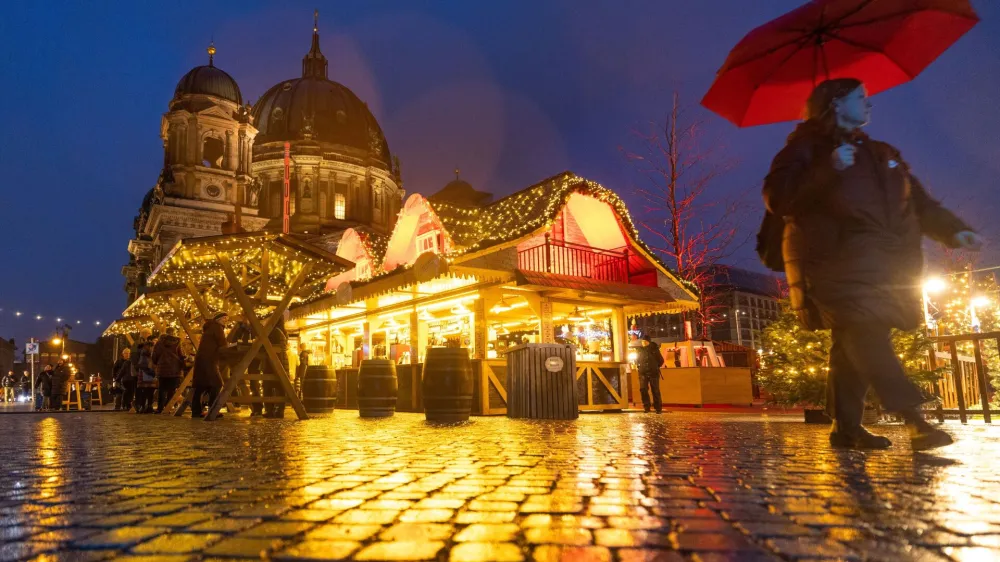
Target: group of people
x=15, y=387
x=155, y=366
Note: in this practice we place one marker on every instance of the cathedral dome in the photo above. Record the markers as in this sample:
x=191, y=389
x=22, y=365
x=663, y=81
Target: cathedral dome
x=317, y=108
x=210, y=81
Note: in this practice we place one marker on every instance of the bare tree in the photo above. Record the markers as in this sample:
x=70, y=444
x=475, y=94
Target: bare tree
x=692, y=226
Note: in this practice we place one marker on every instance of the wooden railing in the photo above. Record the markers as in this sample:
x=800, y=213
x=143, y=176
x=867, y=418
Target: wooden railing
x=966, y=383
x=564, y=258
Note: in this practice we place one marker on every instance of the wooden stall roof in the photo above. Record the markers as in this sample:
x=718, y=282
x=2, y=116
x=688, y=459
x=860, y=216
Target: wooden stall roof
x=525, y=212
x=158, y=307
x=639, y=300
x=196, y=260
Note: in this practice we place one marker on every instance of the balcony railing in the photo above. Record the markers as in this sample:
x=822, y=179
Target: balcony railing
x=965, y=387
x=564, y=258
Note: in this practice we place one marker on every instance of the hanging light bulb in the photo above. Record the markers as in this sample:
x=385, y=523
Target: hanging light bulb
x=576, y=316
x=502, y=306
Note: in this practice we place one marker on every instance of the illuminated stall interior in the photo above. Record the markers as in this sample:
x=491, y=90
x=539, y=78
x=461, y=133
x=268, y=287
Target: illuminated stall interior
x=559, y=262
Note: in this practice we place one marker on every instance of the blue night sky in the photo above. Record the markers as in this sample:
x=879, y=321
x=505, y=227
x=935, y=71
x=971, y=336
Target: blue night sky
x=512, y=92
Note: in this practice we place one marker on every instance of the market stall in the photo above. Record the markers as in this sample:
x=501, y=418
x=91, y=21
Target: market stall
x=253, y=276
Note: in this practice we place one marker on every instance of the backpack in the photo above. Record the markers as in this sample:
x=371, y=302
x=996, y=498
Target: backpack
x=769, y=240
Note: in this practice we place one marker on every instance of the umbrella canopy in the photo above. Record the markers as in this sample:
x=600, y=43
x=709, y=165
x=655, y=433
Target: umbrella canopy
x=769, y=75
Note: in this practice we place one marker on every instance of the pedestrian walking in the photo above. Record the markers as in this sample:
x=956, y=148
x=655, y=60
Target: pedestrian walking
x=207, y=377
x=648, y=361
x=854, y=215
x=61, y=378
x=145, y=375
x=168, y=364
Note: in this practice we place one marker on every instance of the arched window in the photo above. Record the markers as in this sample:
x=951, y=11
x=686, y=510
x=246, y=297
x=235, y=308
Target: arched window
x=339, y=206
x=212, y=151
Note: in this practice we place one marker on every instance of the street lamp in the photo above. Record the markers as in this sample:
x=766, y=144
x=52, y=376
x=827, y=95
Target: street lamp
x=931, y=286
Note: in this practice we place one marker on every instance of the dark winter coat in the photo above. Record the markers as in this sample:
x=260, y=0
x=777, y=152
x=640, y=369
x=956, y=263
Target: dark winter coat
x=167, y=358
x=8, y=381
x=142, y=365
x=26, y=384
x=122, y=371
x=852, y=238
x=206, y=360
x=60, y=379
x=43, y=383
x=648, y=359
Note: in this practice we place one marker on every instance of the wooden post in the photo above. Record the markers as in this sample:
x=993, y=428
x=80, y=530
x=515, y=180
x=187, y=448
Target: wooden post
x=547, y=333
x=199, y=302
x=984, y=385
x=932, y=365
x=956, y=371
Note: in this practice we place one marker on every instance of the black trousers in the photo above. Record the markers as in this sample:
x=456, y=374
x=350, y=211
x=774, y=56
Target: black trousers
x=650, y=383
x=272, y=410
x=168, y=386
x=128, y=394
x=144, y=399
x=56, y=401
x=863, y=356
x=197, y=407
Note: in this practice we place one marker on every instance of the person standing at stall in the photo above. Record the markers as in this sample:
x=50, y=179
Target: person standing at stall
x=300, y=369
x=207, y=377
x=145, y=376
x=168, y=362
x=122, y=374
x=241, y=334
x=43, y=389
x=61, y=377
x=279, y=340
x=648, y=360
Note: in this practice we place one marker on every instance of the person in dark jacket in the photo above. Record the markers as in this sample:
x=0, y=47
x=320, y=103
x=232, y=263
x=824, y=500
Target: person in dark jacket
x=242, y=334
x=648, y=360
x=26, y=385
x=207, y=377
x=9, y=395
x=43, y=389
x=279, y=340
x=125, y=380
x=61, y=377
x=854, y=217
x=168, y=364
x=144, y=373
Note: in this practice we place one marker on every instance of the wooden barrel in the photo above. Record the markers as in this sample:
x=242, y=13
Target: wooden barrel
x=319, y=389
x=377, y=388
x=447, y=384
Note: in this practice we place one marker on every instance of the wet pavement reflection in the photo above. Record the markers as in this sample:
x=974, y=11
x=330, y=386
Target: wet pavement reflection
x=628, y=487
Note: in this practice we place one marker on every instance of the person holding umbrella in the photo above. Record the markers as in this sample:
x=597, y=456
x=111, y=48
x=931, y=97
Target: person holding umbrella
x=845, y=214
x=854, y=217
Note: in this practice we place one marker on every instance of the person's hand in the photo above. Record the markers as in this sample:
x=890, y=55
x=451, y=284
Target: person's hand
x=843, y=157
x=968, y=240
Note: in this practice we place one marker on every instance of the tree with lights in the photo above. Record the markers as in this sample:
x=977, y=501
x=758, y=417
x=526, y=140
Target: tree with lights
x=796, y=361
x=692, y=227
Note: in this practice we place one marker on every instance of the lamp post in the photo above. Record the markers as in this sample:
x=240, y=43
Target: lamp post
x=932, y=285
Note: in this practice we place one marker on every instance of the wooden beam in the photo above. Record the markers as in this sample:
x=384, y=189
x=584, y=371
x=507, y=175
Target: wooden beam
x=199, y=302
x=261, y=339
x=265, y=274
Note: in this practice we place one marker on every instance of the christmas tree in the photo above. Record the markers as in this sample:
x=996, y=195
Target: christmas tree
x=796, y=362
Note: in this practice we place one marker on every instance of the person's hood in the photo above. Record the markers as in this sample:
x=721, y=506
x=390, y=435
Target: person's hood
x=170, y=341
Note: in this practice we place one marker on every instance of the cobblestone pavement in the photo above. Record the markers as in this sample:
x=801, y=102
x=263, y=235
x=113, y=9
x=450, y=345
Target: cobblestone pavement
x=626, y=487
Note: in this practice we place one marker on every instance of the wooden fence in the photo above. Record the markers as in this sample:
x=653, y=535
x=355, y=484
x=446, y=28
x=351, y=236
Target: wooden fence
x=966, y=383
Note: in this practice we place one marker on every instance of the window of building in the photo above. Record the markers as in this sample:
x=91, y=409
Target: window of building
x=428, y=242
x=339, y=206
x=211, y=152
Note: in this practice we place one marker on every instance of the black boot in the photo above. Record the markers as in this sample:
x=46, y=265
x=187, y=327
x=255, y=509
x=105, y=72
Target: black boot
x=923, y=435
x=857, y=438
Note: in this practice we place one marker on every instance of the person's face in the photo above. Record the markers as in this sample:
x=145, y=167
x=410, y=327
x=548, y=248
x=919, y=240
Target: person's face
x=126, y=353
x=854, y=108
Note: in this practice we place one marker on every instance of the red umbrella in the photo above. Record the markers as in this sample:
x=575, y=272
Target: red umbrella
x=771, y=72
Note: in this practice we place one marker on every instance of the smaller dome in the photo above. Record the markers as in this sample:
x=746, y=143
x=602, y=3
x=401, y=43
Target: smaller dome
x=460, y=192
x=210, y=81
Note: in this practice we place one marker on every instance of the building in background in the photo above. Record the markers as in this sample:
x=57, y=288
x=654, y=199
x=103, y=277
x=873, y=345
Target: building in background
x=745, y=302
x=227, y=164
x=7, y=349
